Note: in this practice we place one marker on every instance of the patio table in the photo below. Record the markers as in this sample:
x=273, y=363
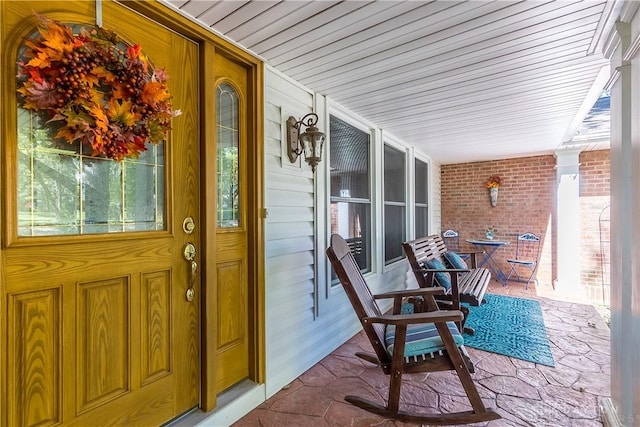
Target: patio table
x=490, y=247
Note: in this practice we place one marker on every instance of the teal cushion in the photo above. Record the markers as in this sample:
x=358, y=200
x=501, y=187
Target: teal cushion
x=422, y=339
x=406, y=308
x=455, y=260
x=442, y=279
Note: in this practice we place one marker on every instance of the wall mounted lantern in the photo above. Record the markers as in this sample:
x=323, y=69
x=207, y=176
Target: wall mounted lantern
x=310, y=141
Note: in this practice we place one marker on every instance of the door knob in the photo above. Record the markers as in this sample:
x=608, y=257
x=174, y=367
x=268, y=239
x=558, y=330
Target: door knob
x=189, y=251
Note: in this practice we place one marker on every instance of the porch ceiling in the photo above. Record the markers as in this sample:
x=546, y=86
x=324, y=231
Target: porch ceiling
x=459, y=80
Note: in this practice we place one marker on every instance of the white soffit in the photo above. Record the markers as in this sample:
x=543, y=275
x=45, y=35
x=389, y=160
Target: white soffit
x=460, y=81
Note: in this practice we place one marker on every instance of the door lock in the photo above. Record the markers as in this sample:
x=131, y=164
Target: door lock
x=188, y=225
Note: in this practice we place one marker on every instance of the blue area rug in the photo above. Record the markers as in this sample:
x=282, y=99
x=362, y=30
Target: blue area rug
x=510, y=326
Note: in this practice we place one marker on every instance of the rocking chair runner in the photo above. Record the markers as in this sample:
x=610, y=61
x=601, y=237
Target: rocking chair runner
x=407, y=343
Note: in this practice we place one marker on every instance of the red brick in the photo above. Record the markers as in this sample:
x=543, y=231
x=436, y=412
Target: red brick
x=526, y=202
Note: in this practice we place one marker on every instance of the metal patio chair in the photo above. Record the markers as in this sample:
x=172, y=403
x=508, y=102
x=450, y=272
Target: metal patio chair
x=451, y=240
x=527, y=256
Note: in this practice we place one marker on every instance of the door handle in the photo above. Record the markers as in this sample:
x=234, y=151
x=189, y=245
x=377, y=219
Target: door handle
x=189, y=254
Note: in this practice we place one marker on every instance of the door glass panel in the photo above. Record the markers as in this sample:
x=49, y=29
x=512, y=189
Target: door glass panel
x=63, y=189
x=228, y=150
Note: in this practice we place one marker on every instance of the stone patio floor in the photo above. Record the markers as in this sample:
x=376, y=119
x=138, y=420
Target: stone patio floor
x=524, y=393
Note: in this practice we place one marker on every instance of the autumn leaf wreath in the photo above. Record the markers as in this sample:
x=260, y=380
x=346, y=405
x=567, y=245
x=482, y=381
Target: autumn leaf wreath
x=100, y=91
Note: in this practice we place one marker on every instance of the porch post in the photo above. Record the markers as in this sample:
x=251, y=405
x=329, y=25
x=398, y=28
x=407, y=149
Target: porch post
x=568, y=221
x=624, y=407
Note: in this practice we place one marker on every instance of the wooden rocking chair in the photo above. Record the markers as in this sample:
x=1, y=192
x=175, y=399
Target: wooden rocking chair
x=407, y=343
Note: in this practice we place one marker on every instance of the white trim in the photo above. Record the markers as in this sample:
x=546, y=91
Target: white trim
x=615, y=74
x=377, y=200
x=350, y=117
x=592, y=96
x=283, y=76
x=632, y=50
x=435, y=172
x=609, y=414
x=411, y=192
x=237, y=408
x=601, y=35
x=627, y=10
x=321, y=270
x=232, y=405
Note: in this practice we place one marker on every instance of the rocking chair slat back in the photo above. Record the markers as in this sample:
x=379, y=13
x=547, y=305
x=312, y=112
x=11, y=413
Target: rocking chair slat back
x=358, y=293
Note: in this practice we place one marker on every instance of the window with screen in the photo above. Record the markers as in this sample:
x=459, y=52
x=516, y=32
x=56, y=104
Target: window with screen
x=421, y=198
x=395, y=206
x=350, y=197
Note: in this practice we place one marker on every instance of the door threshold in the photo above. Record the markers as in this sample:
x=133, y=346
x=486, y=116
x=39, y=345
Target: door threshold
x=233, y=404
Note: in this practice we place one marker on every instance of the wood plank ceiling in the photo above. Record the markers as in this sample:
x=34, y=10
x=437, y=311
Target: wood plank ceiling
x=459, y=80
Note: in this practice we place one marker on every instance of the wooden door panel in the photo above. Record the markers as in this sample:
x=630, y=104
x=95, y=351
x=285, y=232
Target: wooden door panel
x=102, y=331
x=155, y=317
x=34, y=348
x=232, y=320
x=232, y=337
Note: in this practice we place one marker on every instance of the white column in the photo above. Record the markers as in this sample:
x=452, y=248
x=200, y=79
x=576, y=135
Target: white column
x=568, y=222
x=623, y=409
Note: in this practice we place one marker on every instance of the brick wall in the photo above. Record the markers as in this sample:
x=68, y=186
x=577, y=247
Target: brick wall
x=594, y=224
x=526, y=202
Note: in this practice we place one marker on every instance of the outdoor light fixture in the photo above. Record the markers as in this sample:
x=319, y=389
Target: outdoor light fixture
x=310, y=141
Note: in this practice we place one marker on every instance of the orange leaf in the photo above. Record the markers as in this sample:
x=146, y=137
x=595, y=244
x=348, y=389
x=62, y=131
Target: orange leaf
x=102, y=72
x=41, y=61
x=154, y=92
x=102, y=122
x=58, y=39
x=121, y=112
x=133, y=51
x=119, y=91
x=68, y=134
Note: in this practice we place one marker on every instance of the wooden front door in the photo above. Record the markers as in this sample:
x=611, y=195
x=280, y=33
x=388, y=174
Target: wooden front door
x=95, y=325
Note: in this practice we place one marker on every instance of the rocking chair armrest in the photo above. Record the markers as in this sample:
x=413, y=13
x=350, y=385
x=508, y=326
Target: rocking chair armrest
x=436, y=290
x=409, y=319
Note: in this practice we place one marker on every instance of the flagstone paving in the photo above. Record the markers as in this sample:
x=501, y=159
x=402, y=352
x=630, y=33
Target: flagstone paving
x=524, y=393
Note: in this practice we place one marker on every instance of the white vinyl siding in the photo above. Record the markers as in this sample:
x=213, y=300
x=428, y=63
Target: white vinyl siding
x=307, y=318
x=298, y=333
